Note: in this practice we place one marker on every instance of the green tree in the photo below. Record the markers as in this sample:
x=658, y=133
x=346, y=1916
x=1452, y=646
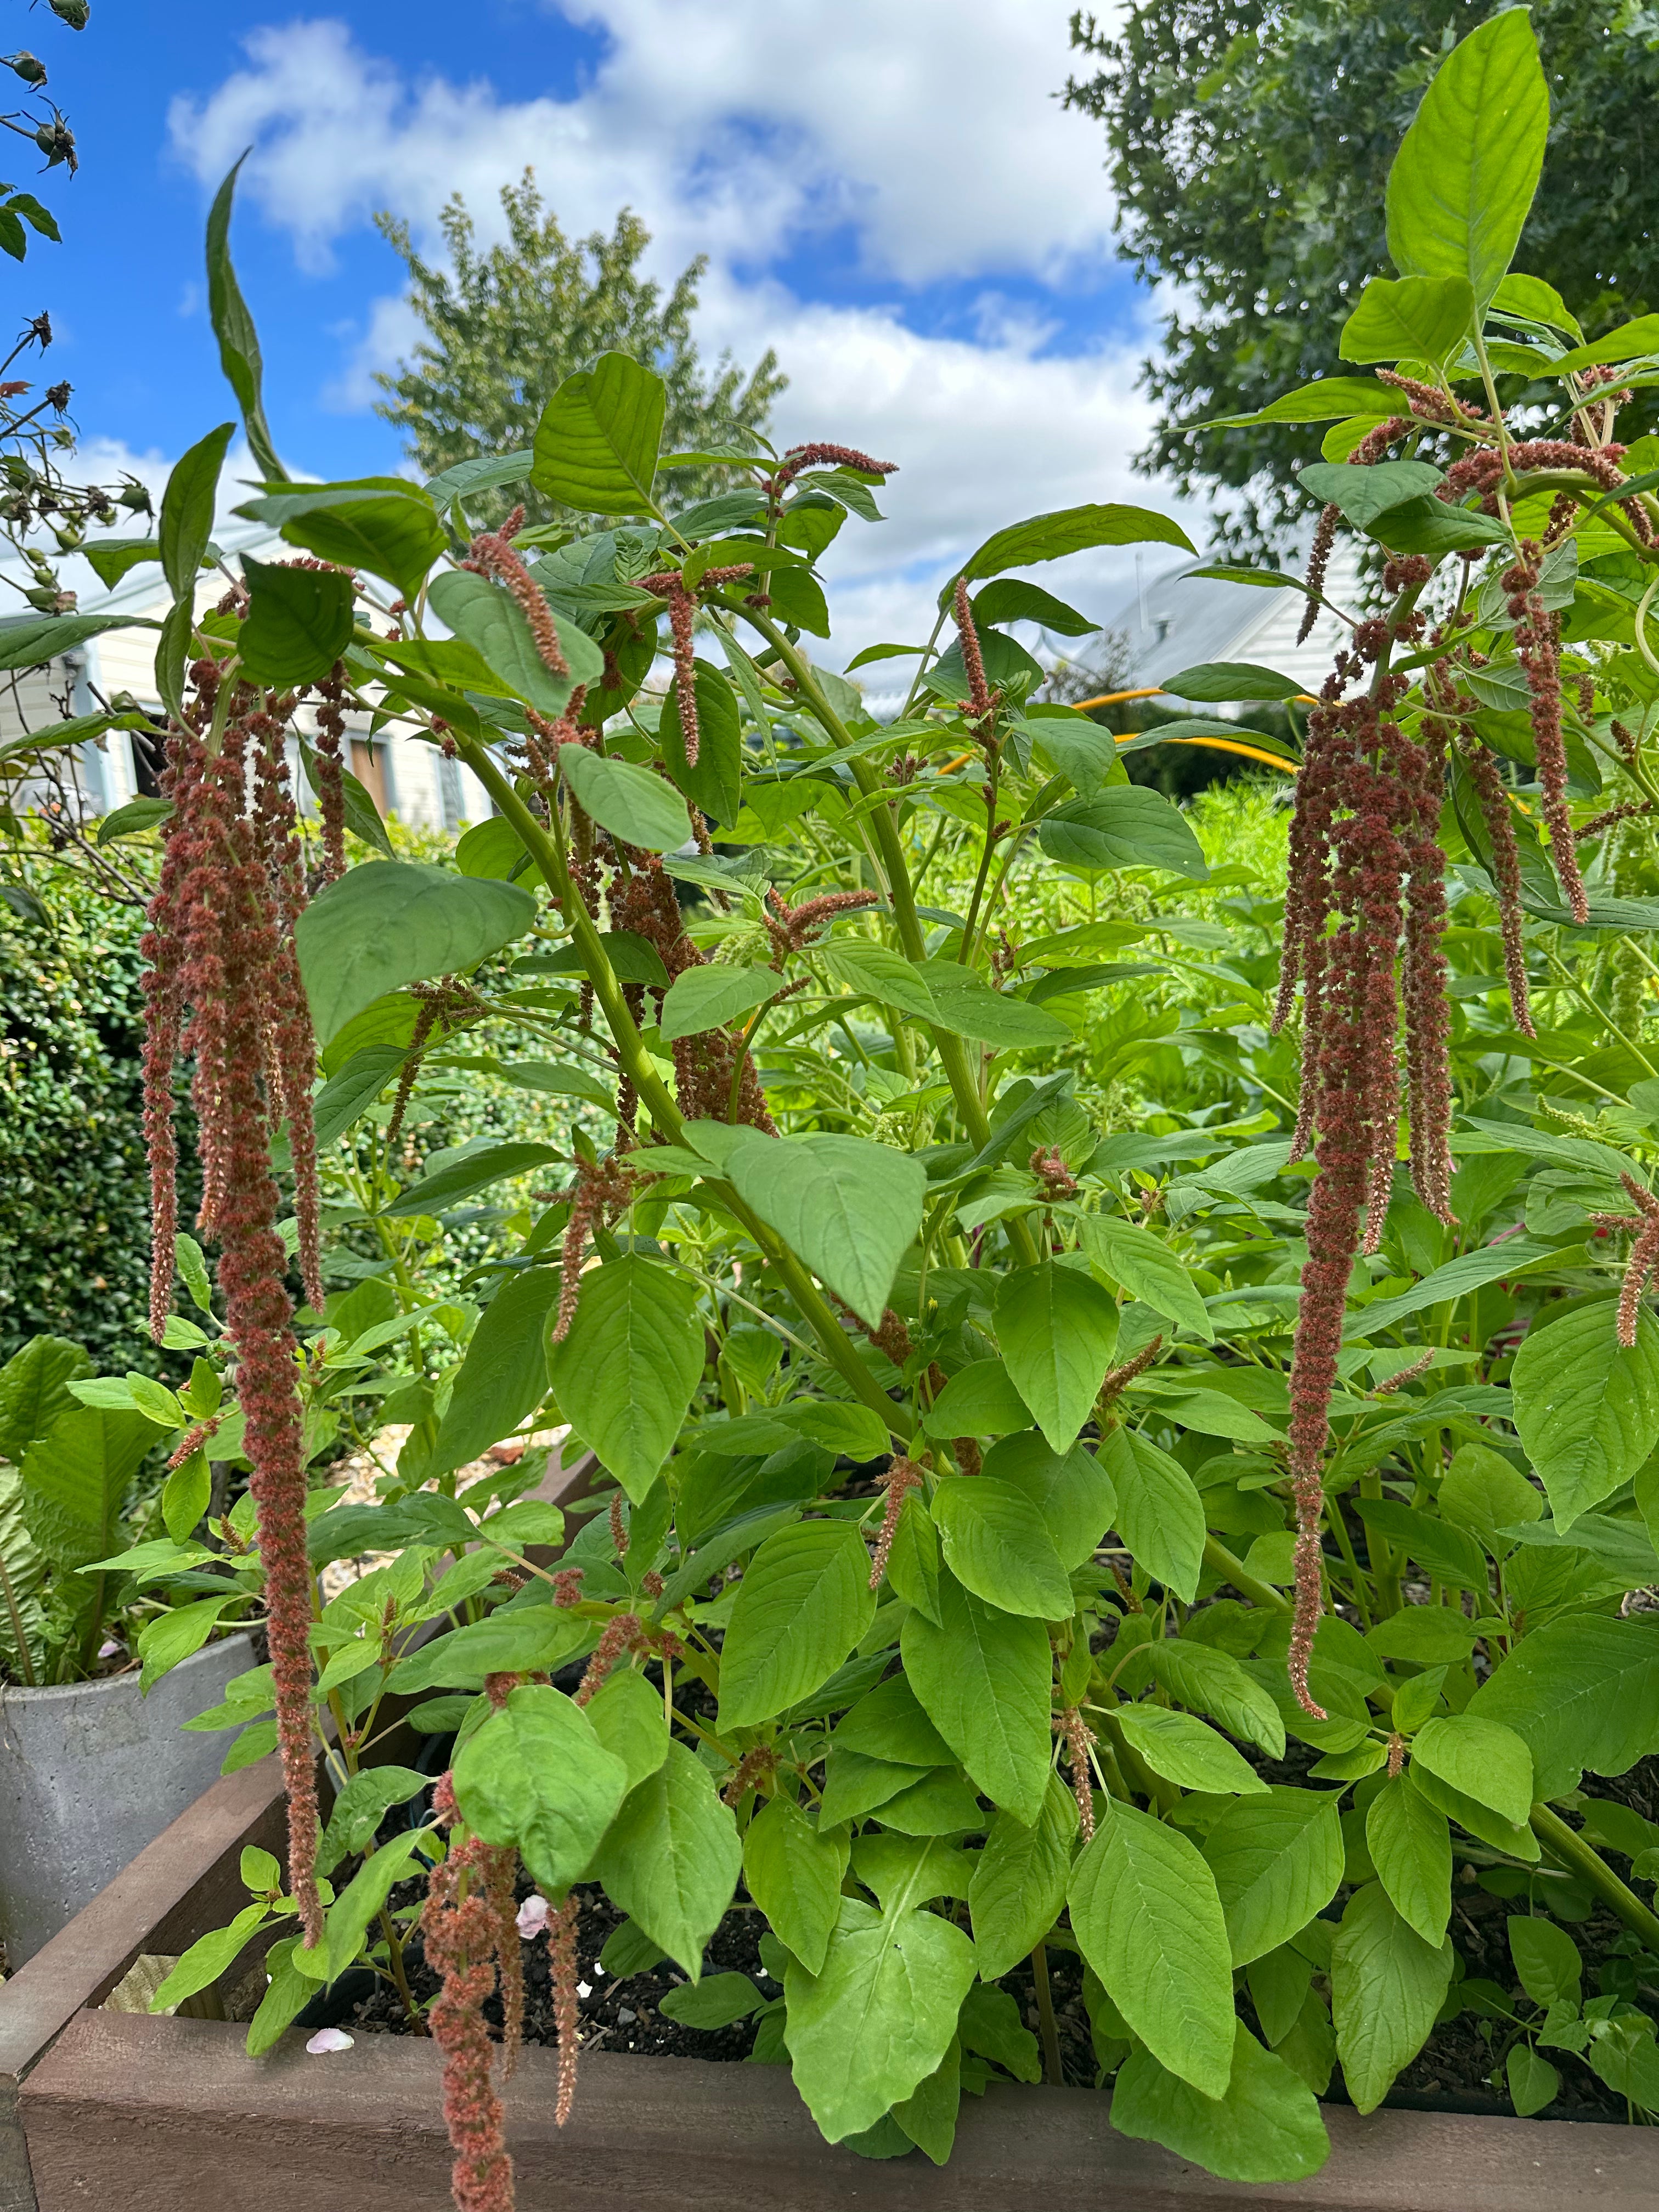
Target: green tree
x=506, y=325
x=1248, y=144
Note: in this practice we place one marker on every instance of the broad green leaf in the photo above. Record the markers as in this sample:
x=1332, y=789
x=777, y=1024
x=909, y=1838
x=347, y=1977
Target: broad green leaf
x=928, y=2115
x=1364, y=493
x=358, y=1812
x=938, y=1804
x=715, y=785
x=168, y=1638
x=627, y=1716
x=288, y=1994
x=1410, y=1846
x=1212, y=681
x=185, y=1495
x=626, y=1372
x=35, y=1391
x=708, y=997
x=1266, y=2126
x=1277, y=1862
x=855, y=1785
x=1463, y=180
x=299, y=622
x=964, y=1003
x=889, y=1724
x=382, y=524
x=134, y=818
x=348, y=1095
x=626, y=799
x=1214, y=1681
x=1014, y=599
x=1470, y=1270
x=489, y=618
x=850, y=1209
x=187, y=518
x=1160, y=1515
x=1057, y=1328
x=503, y=1377
x=997, y=1546
x=391, y=923
x=1414, y=318
x=485, y=473
x=672, y=1858
x=1072, y=1492
x=1278, y=1982
x=1147, y=1269
x=30, y=641
x=531, y=1640
x=1146, y=1915
x=978, y=1400
x=715, y=2001
x=1426, y=1635
x=358, y=1904
x=232, y=325
x=1072, y=530
x=1628, y=343
x=804, y=1603
x=1327, y=400
x=597, y=442
x=982, y=1677
x=1533, y=2082
x=1483, y=1759
x=884, y=973
x=74, y=1481
x=1017, y=1888
x=1130, y=826
x=866, y=2031
x=1387, y=1985
x=208, y=1957
x=912, y=1564
x=1587, y=1411
x=1186, y=1751
x=794, y=1874
x=463, y=1178
x=358, y=811
x=537, y=1775
x=1547, y=1960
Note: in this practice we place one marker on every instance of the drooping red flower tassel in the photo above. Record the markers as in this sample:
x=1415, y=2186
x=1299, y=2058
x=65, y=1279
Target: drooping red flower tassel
x=462, y=1930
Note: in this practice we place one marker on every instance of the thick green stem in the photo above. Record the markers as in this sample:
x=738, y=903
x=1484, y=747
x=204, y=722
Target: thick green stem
x=1569, y=1847
x=654, y=1093
x=1230, y=1567
x=1053, y=2066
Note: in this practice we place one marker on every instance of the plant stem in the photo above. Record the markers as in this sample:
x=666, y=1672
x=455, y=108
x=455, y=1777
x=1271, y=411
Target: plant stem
x=1231, y=1569
x=1584, y=1860
x=1053, y=2070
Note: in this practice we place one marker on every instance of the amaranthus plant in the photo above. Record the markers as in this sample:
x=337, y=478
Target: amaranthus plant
x=1001, y=1469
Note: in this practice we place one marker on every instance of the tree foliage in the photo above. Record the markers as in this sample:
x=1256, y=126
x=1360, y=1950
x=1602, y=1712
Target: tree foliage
x=506, y=324
x=1248, y=144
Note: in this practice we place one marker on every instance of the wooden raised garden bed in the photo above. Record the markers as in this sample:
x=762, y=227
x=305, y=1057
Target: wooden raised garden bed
x=115, y=2111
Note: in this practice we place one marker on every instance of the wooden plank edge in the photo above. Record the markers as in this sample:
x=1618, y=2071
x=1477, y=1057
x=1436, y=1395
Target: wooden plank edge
x=130, y=2113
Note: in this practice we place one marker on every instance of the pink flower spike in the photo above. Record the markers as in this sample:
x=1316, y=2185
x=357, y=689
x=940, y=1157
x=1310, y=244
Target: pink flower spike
x=533, y=1917
x=327, y=2040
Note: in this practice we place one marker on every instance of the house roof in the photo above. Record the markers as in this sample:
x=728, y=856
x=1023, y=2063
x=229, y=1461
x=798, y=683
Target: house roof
x=1180, y=619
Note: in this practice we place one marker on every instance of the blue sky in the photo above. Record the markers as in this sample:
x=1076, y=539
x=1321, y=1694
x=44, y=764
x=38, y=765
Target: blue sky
x=892, y=197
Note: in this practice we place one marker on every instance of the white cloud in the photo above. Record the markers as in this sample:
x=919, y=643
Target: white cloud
x=931, y=131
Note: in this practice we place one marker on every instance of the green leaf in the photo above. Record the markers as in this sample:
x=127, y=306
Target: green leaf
x=866, y=2031
x=30, y=641
x=1470, y=1270
x=996, y=1547
x=232, y=325
x=716, y=2002
x=1533, y=2082
x=299, y=622
x=978, y=1400
x=1387, y=1985
x=1072, y=1493
x=982, y=1677
x=74, y=1482
x=382, y=524
x=1547, y=1960
x=358, y=1904
x=503, y=1377
x=708, y=998
x=1327, y=400
x=185, y=1495
x=488, y=617
x=1057, y=1328
x=347, y=1096
x=928, y=2115
x=134, y=818
x=537, y=1775
x=890, y=1724
x=794, y=1874
x=463, y=1178
x=1160, y=1515
x=672, y=1858
x=1629, y=343
x=35, y=1391
x=884, y=973
x=715, y=785
x=393, y=922
x=598, y=439
x=533, y=1640
x=1278, y=1863
x=1212, y=680
x=1587, y=1411
x=1014, y=599
x=111, y=558
x=802, y=1606
x=1481, y=1758
x=1463, y=180
x=850, y=1209
x=358, y=1812
x=1187, y=1752
x=208, y=1957
x=1147, y=1269
x=1415, y=319
x=1018, y=1887
x=1362, y=494
x=965, y=1004
x=1278, y=1983
x=485, y=473
x=1212, y=1680
x=626, y=799
x=1128, y=826
x=1266, y=2126
x=1147, y=1918
x=1072, y=530
x=1426, y=1635
x=186, y=518
x=168, y=1638
x=288, y=1994
x=912, y=1564
x=1410, y=1846
x=625, y=1373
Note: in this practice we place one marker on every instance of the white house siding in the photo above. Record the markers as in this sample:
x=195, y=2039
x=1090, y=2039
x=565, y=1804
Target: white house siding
x=1179, y=620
